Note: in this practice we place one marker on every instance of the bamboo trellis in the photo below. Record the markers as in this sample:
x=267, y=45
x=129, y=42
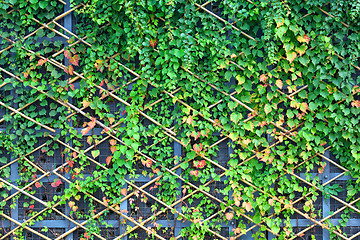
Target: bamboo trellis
x=65, y=226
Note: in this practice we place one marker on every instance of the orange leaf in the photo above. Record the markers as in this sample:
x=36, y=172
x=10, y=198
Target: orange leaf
x=112, y=149
x=112, y=142
x=41, y=62
x=26, y=74
x=271, y=201
x=108, y=160
x=85, y=103
x=189, y=120
x=229, y=216
x=263, y=78
x=75, y=208
x=111, y=120
x=303, y=107
x=71, y=204
x=279, y=84
x=247, y=206
x=37, y=184
x=70, y=70
x=85, y=131
x=304, y=38
x=123, y=191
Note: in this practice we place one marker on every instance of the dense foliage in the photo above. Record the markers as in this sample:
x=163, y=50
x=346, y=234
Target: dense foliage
x=272, y=80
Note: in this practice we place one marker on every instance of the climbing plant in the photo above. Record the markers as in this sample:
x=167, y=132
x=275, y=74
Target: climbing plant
x=179, y=119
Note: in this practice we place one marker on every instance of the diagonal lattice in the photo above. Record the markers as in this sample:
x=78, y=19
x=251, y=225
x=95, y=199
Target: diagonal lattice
x=178, y=126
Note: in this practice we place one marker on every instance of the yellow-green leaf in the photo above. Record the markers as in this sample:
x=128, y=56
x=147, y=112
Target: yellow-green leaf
x=241, y=79
x=267, y=108
x=290, y=56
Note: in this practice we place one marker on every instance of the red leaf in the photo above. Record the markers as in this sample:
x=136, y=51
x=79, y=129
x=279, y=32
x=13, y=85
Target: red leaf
x=108, y=160
x=198, y=147
x=194, y=173
x=67, y=54
x=71, y=163
x=72, y=87
x=37, y=184
x=201, y=164
x=58, y=182
x=355, y=103
x=74, y=60
x=124, y=112
x=153, y=42
x=86, y=235
x=31, y=206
